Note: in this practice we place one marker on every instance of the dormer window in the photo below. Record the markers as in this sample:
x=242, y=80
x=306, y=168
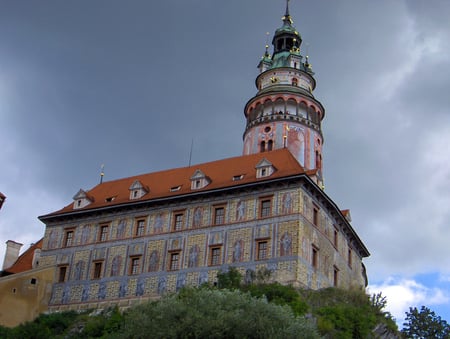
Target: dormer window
x=199, y=180
x=264, y=169
x=137, y=190
x=81, y=199
x=175, y=188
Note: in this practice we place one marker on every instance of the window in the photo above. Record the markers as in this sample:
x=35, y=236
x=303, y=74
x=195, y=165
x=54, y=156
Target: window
x=62, y=274
x=140, y=227
x=135, y=265
x=219, y=215
x=215, y=256
x=261, y=250
x=349, y=257
x=263, y=146
x=68, y=241
x=266, y=208
x=174, y=261
x=335, y=276
x=270, y=145
x=97, y=273
x=336, y=237
x=315, y=257
x=103, y=233
x=316, y=215
x=178, y=221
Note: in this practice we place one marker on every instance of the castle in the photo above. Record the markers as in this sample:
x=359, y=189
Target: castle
x=136, y=238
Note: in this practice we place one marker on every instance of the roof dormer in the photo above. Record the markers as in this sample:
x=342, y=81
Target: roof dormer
x=81, y=199
x=137, y=190
x=199, y=180
x=264, y=168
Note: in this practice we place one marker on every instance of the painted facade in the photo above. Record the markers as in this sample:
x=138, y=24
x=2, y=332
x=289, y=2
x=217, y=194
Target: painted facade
x=282, y=222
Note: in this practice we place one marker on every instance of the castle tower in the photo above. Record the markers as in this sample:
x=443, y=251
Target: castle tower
x=284, y=112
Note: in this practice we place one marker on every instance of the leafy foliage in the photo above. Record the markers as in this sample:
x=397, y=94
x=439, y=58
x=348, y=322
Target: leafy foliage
x=211, y=313
x=425, y=324
x=230, y=279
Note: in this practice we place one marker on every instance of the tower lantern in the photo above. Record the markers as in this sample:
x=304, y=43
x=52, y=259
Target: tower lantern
x=284, y=112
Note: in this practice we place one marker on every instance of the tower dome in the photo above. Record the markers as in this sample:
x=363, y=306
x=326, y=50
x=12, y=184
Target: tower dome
x=284, y=112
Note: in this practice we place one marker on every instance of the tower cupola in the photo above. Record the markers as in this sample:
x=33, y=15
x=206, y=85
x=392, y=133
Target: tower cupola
x=284, y=112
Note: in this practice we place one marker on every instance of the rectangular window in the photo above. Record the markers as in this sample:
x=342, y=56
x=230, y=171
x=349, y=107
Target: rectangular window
x=62, y=274
x=316, y=215
x=315, y=257
x=216, y=254
x=178, y=221
x=140, y=227
x=103, y=233
x=266, y=208
x=219, y=215
x=68, y=241
x=336, y=237
x=135, y=265
x=97, y=273
x=335, y=276
x=261, y=250
x=349, y=257
x=174, y=261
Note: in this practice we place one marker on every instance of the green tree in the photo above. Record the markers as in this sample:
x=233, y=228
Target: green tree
x=230, y=279
x=425, y=324
x=212, y=313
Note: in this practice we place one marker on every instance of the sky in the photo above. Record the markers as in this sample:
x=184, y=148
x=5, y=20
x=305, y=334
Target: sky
x=129, y=84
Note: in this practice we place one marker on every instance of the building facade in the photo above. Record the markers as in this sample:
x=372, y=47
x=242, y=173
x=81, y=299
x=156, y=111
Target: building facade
x=137, y=238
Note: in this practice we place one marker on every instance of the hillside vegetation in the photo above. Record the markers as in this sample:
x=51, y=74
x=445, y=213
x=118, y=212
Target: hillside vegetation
x=230, y=310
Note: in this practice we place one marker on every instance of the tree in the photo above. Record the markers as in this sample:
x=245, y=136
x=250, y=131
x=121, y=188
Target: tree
x=425, y=324
x=212, y=313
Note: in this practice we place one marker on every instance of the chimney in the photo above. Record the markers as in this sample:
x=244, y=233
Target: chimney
x=36, y=257
x=12, y=253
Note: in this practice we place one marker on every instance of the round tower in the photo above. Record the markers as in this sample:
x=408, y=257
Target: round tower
x=284, y=112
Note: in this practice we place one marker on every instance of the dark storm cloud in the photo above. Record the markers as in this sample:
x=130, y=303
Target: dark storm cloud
x=130, y=84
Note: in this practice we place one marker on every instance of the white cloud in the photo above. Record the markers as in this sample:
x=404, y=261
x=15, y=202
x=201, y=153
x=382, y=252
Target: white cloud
x=404, y=293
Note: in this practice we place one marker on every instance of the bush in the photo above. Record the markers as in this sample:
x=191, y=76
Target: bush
x=203, y=313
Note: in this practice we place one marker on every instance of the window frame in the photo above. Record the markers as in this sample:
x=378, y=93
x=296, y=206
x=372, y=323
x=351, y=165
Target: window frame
x=102, y=235
x=335, y=276
x=219, y=214
x=336, y=237
x=135, y=265
x=69, y=241
x=215, y=255
x=349, y=257
x=141, y=224
x=316, y=215
x=314, y=256
x=97, y=269
x=172, y=256
x=177, y=225
x=265, y=211
x=62, y=273
x=262, y=249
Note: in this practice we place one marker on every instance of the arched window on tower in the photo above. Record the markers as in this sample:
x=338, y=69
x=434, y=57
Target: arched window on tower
x=318, y=160
x=270, y=145
x=263, y=146
x=294, y=82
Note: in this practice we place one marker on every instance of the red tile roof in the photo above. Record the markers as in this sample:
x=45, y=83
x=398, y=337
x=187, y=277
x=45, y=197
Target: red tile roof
x=220, y=173
x=25, y=260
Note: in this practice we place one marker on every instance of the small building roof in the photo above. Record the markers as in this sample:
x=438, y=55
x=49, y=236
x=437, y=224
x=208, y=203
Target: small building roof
x=25, y=260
